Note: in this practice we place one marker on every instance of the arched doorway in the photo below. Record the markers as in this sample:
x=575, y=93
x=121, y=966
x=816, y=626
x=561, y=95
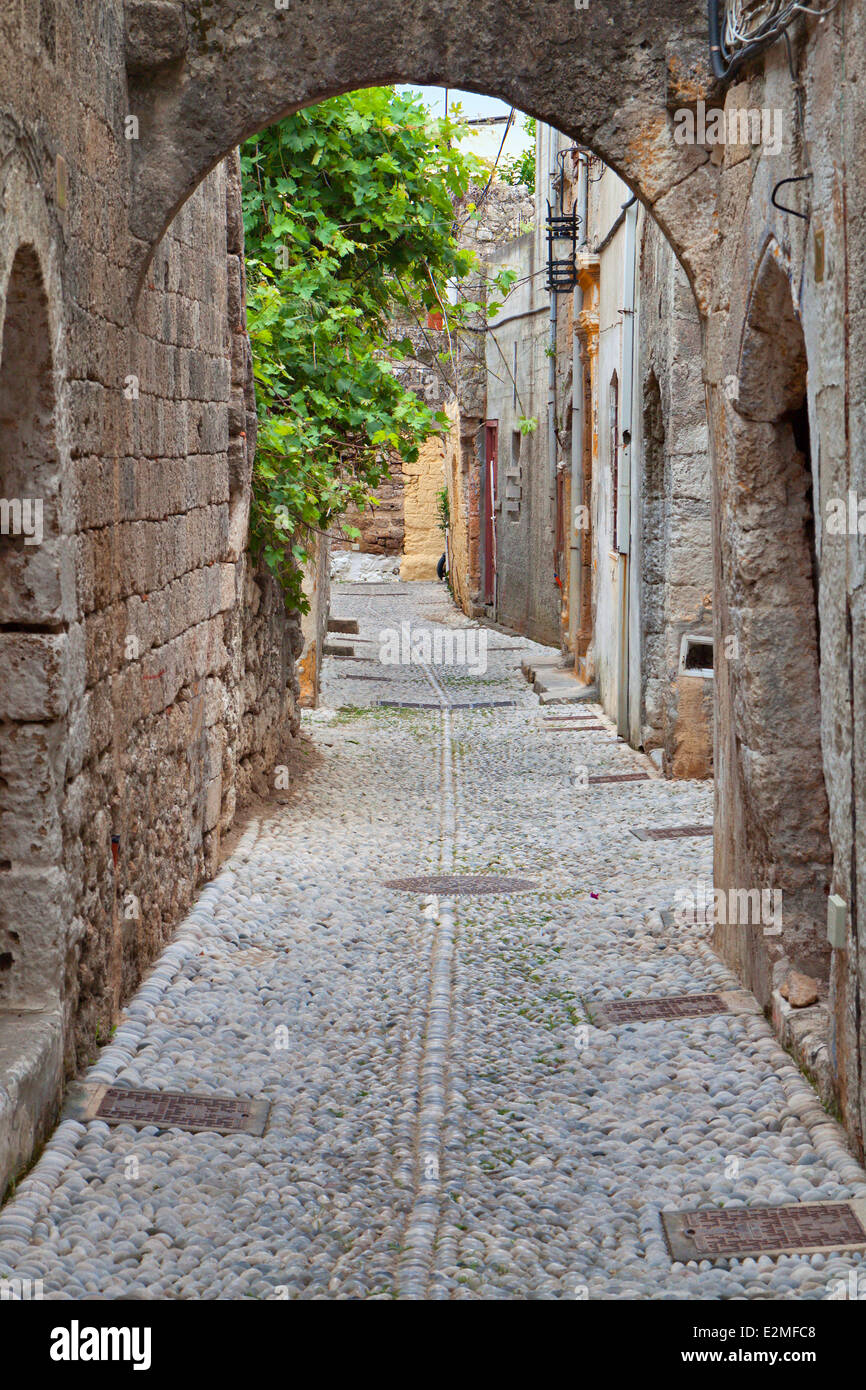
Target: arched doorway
x=33, y=727
x=768, y=684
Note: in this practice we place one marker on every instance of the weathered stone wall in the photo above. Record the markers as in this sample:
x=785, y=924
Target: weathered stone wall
x=783, y=424
x=381, y=523
x=148, y=674
x=672, y=710
x=493, y=232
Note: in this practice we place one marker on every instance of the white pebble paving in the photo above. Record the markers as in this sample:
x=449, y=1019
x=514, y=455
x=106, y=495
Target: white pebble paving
x=299, y=978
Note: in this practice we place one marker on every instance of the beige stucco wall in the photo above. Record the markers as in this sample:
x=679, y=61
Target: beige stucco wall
x=314, y=623
x=423, y=540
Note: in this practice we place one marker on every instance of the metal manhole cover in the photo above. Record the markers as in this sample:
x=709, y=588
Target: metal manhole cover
x=456, y=884
x=804, y=1228
x=674, y=1006
x=119, y=1105
x=672, y=832
x=622, y=777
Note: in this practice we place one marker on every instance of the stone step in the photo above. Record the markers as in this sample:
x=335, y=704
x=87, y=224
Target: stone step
x=573, y=694
x=338, y=649
x=532, y=665
x=343, y=625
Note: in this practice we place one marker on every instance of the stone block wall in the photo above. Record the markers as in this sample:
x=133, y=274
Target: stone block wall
x=674, y=542
x=381, y=523
x=146, y=669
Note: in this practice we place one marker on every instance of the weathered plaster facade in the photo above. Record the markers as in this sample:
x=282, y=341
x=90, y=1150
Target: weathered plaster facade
x=619, y=596
x=671, y=643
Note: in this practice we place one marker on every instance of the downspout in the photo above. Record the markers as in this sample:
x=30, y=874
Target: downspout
x=623, y=512
x=577, y=534
x=553, y=138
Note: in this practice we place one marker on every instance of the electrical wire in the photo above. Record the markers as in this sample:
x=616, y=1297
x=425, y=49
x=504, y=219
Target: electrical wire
x=750, y=26
x=486, y=188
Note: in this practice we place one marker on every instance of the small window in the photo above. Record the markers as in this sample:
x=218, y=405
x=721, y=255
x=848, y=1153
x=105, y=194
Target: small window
x=514, y=478
x=696, y=656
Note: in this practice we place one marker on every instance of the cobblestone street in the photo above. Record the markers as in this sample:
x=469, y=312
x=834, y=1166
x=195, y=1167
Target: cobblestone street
x=450, y=1117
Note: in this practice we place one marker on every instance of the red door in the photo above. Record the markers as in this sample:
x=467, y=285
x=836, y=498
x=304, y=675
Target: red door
x=491, y=447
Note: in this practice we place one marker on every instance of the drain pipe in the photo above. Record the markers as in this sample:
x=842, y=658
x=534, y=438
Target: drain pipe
x=577, y=535
x=552, y=138
x=623, y=523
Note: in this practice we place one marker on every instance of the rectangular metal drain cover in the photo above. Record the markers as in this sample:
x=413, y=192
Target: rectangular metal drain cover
x=672, y=832
x=736, y=1232
x=566, y=718
x=622, y=777
x=119, y=1105
x=674, y=1006
x=577, y=728
x=570, y=723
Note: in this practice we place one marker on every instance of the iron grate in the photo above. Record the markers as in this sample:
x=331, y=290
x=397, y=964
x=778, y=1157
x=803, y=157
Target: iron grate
x=450, y=705
x=460, y=884
x=672, y=832
x=119, y=1105
x=577, y=728
x=804, y=1228
x=567, y=723
x=674, y=1006
x=622, y=777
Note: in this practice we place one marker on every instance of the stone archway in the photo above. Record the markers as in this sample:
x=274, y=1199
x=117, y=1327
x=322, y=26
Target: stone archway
x=204, y=76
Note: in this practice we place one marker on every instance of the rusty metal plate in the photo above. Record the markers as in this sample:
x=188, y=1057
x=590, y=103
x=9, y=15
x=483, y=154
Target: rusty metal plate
x=482, y=704
x=622, y=777
x=569, y=724
x=409, y=704
x=456, y=704
x=453, y=885
x=672, y=832
x=577, y=728
x=549, y=719
x=802, y=1228
x=120, y=1105
x=674, y=1006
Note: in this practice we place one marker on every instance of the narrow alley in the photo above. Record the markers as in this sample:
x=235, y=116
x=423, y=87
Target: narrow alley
x=447, y=1111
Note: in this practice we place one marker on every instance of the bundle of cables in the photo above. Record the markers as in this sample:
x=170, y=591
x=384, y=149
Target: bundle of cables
x=741, y=28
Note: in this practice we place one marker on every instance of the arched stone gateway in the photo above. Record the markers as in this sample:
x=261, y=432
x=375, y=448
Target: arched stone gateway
x=204, y=76
x=177, y=663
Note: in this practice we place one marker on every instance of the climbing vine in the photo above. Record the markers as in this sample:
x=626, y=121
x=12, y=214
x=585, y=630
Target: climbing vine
x=348, y=216
x=520, y=168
